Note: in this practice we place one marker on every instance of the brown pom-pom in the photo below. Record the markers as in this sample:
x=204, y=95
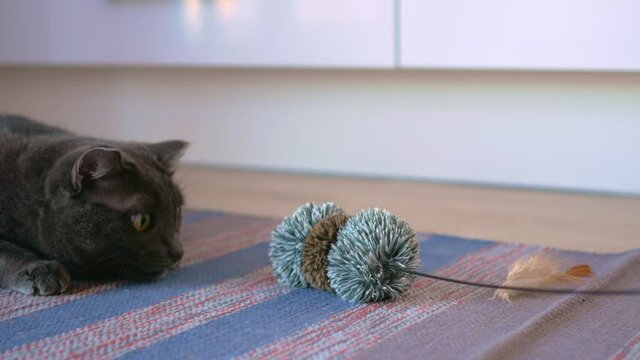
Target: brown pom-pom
x=316, y=249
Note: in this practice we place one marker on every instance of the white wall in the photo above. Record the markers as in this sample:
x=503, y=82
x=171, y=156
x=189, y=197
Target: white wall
x=577, y=131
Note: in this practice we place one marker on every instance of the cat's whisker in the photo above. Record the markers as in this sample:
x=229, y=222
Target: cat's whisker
x=155, y=261
x=106, y=260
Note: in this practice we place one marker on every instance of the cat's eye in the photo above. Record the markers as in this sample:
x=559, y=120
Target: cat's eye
x=141, y=222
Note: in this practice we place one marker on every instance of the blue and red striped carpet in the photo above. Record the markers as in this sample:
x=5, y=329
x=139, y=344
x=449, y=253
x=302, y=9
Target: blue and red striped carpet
x=225, y=303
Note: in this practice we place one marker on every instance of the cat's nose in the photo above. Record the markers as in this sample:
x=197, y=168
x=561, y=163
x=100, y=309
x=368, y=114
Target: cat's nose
x=175, y=254
x=174, y=249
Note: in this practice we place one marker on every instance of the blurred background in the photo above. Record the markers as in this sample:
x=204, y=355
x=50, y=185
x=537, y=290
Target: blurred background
x=509, y=120
x=542, y=94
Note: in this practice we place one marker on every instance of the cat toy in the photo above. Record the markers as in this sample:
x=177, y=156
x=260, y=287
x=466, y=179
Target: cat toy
x=374, y=256
x=354, y=256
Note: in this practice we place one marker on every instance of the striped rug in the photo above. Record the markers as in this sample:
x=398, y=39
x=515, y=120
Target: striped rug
x=225, y=303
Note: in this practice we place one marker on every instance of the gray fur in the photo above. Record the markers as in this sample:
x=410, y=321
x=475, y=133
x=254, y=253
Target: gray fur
x=368, y=245
x=287, y=240
x=66, y=204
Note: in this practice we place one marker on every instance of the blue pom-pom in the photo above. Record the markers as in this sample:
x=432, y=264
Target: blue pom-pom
x=287, y=240
x=369, y=245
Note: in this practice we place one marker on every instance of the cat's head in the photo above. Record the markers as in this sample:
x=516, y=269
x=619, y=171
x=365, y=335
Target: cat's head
x=113, y=210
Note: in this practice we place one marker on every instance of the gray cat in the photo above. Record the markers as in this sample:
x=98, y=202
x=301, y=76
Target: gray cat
x=85, y=208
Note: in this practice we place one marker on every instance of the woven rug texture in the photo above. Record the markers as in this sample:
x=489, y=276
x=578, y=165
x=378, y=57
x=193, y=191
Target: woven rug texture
x=224, y=302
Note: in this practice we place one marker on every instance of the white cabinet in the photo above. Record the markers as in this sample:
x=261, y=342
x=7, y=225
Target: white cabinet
x=257, y=33
x=508, y=34
x=489, y=34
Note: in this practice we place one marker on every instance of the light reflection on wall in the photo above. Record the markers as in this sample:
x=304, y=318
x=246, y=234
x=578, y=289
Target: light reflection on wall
x=200, y=15
x=192, y=17
x=238, y=21
x=225, y=9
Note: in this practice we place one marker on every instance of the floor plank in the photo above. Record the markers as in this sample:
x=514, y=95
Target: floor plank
x=595, y=223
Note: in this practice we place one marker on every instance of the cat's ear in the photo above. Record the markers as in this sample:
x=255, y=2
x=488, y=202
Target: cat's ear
x=95, y=163
x=168, y=152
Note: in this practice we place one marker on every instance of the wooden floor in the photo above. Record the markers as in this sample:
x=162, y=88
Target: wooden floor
x=593, y=223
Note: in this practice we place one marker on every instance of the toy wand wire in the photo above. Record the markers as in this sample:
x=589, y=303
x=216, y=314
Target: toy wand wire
x=625, y=292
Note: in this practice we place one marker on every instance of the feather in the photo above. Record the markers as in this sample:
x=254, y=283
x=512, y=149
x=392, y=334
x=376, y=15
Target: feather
x=540, y=271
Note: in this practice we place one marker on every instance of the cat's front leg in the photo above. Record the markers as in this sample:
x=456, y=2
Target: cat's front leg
x=24, y=271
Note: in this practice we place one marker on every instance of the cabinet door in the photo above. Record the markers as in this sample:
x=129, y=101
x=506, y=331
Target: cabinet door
x=507, y=34
x=269, y=33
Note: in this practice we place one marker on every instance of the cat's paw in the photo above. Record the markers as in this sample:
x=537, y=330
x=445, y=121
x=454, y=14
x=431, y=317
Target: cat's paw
x=42, y=278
